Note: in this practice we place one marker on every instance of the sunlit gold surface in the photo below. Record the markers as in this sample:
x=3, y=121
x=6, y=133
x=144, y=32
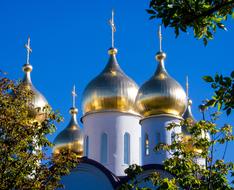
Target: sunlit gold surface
x=38, y=100
x=111, y=90
x=71, y=138
x=189, y=147
x=187, y=137
x=161, y=94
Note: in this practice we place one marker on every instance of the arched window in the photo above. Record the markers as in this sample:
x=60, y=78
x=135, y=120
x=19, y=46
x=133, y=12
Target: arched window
x=146, y=144
x=158, y=138
x=104, y=148
x=87, y=146
x=126, y=148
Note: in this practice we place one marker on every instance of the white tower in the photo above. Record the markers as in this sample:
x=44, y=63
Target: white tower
x=161, y=100
x=111, y=120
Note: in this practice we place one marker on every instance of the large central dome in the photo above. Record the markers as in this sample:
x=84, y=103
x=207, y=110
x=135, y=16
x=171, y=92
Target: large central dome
x=161, y=94
x=111, y=90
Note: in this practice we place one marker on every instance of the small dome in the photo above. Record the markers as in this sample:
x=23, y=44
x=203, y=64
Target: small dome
x=111, y=90
x=188, y=115
x=188, y=112
x=71, y=137
x=39, y=102
x=161, y=94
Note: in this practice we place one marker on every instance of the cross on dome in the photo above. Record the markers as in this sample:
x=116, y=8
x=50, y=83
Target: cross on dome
x=74, y=96
x=113, y=29
x=29, y=50
x=160, y=37
x=187, y=87
x=187, y=92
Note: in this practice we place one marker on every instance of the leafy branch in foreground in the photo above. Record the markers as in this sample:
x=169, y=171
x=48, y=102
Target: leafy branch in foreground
x=202, y=16
x=223, y=96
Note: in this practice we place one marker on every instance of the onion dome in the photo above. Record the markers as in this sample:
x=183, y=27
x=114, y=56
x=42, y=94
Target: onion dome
x=188, y=115
x=186, y=135
x=71, y=138
x=112, y=89
x=161, y=94
x=39, y=102
x=188, y=112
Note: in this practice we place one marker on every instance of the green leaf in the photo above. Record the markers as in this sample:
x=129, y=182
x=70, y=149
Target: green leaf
x=229, y=110
x=177, y=31
x=222, y=26
x=232, y=74
x=205, y=41
x=152, y=17
x=208, y=79
x=150, y=11
x=219, y=106
x=211, y=103
x=214, y=85
x=217, y=19
x=209, y=35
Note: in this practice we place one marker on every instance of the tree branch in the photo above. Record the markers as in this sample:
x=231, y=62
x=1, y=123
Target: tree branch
x=209, y=12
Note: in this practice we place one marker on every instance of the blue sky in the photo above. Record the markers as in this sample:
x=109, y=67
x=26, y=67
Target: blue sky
x=70, y=40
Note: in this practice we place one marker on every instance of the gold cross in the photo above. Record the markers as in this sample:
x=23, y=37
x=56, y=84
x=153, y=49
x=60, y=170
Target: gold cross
x=160, y=38
x=187, y=87
x=113, y=29
x=74, y=96
x=29, y=49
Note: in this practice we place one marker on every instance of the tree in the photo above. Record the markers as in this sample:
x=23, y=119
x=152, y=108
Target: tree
x=202, y=16
x=23, y=142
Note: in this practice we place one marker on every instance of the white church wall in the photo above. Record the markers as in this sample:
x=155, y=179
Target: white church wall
x=115, y=125
x=155, y=128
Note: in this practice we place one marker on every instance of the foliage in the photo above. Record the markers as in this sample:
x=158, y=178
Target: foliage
x=223, y=96
x=23, y=142
x=202, y=16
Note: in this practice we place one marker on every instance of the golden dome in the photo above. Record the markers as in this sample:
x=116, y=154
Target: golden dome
x=71, y=138
x=111, y=90
x=39, y=102
x=187, y=137
x=161, y=94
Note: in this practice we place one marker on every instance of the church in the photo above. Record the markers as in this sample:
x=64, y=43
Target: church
x=122, y=123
